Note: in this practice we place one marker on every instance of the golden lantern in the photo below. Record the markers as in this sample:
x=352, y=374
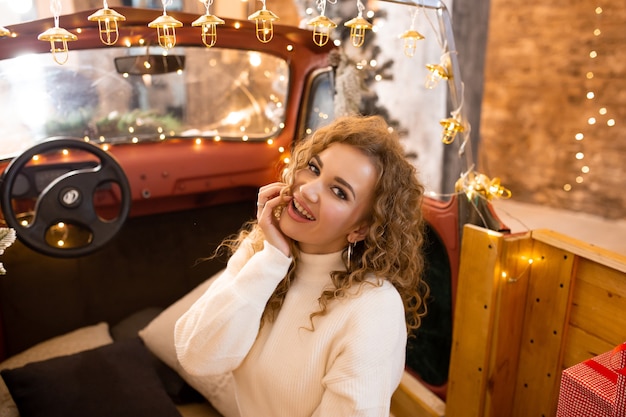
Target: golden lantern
x=57, y=36
x=264, y=23
x=209, y=23
x=321, y=29
x=437, y=73
x=358, y=26
x=475, y=184
x=107, y=24
x=411, y=37
x=166, y=27
x=451, y=127
x=322, y=25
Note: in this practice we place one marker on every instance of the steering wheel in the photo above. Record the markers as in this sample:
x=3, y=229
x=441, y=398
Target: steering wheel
x=65, y=205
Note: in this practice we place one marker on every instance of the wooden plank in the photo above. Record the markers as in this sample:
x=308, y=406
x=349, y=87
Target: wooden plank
x=473, y=318
x=584, y=250
x=580, y=346
x=544, y=325
x=513, y=272
x=599, y=302
x=413, y=399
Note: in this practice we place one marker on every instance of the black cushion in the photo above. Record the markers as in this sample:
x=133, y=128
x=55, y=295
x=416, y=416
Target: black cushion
x=176, y=387
x=114, y=380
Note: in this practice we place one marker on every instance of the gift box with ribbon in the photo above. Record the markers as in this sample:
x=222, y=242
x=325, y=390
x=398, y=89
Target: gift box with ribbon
x=595, y=387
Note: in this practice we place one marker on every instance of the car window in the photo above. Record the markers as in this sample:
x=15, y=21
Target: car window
x=123, y=94
x=320, y=102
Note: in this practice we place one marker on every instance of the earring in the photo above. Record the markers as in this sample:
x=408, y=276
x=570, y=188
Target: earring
x=350, y=250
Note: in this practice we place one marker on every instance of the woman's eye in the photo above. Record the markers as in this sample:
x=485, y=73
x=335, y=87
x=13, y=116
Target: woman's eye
x=313, y=168
x=339, y=193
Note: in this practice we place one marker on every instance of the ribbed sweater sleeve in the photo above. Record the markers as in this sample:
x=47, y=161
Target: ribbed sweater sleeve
x=217, y=332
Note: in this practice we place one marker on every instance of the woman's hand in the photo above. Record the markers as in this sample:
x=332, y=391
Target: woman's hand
x=268, y=202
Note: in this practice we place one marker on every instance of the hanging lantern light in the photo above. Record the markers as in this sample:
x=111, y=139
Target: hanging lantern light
x=57, y=36
x=166, y=27
x=321, y=29
x=264, y=23
x=437, y=72
x=209, y=25
x=475, y=184
x=411, y=37
x=321, y=26
x=107, y=23
x=451, y=126
x=358, y=26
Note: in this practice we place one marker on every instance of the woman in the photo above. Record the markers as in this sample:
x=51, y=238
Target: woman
x=312, y=312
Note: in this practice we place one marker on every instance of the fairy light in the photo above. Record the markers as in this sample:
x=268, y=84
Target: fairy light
x=451, y=126
x=107, y=23
x=209, y=23
x=474, y=184
x=322, y=25
x=594, y=97
x=166, y=27
x=525, y=261
x=411, y=37
x=57, y=36
x=264, y=20
x=438, y=72
x=358, y=26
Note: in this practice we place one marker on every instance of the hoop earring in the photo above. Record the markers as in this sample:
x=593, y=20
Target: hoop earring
x=350, y=250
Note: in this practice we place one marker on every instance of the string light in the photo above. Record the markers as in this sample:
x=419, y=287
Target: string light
x=451, y=126
x=411, y=37
x=474, y=184
x=527, y=262
x=264, y=20
x=321, y=24
x=593, y=96
x=166, y=27
x=107, y=24
x=209, y=25
x=57, y=36
x=358, y=26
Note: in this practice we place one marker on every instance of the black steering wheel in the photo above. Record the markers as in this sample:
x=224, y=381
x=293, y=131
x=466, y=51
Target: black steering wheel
x=66, y=186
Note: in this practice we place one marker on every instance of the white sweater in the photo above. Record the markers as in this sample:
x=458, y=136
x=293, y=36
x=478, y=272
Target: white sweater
x=350, y=365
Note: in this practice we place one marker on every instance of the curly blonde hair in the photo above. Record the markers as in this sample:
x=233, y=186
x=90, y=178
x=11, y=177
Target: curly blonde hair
x=392, y=249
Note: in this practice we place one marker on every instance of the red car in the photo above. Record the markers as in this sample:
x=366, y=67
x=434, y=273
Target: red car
x=127, y=164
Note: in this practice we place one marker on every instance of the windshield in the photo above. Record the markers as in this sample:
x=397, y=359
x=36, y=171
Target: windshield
x=123, y=94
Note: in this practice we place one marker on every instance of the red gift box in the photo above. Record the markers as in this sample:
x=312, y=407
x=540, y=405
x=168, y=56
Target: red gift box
x=595, y=387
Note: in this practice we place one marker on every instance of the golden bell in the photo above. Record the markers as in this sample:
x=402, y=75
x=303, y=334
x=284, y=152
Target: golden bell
x=166, y=30
x=264, y=27
x=358, y=26
x=107, y=24
x=58, y=38
x=410, y=41
x=209, y=28
x=321, y=29
x=451, y=127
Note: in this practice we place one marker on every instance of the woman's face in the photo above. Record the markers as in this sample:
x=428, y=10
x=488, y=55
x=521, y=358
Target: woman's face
x=332, y=199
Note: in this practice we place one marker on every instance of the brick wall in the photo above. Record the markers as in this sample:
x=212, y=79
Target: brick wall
x=536, y=102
